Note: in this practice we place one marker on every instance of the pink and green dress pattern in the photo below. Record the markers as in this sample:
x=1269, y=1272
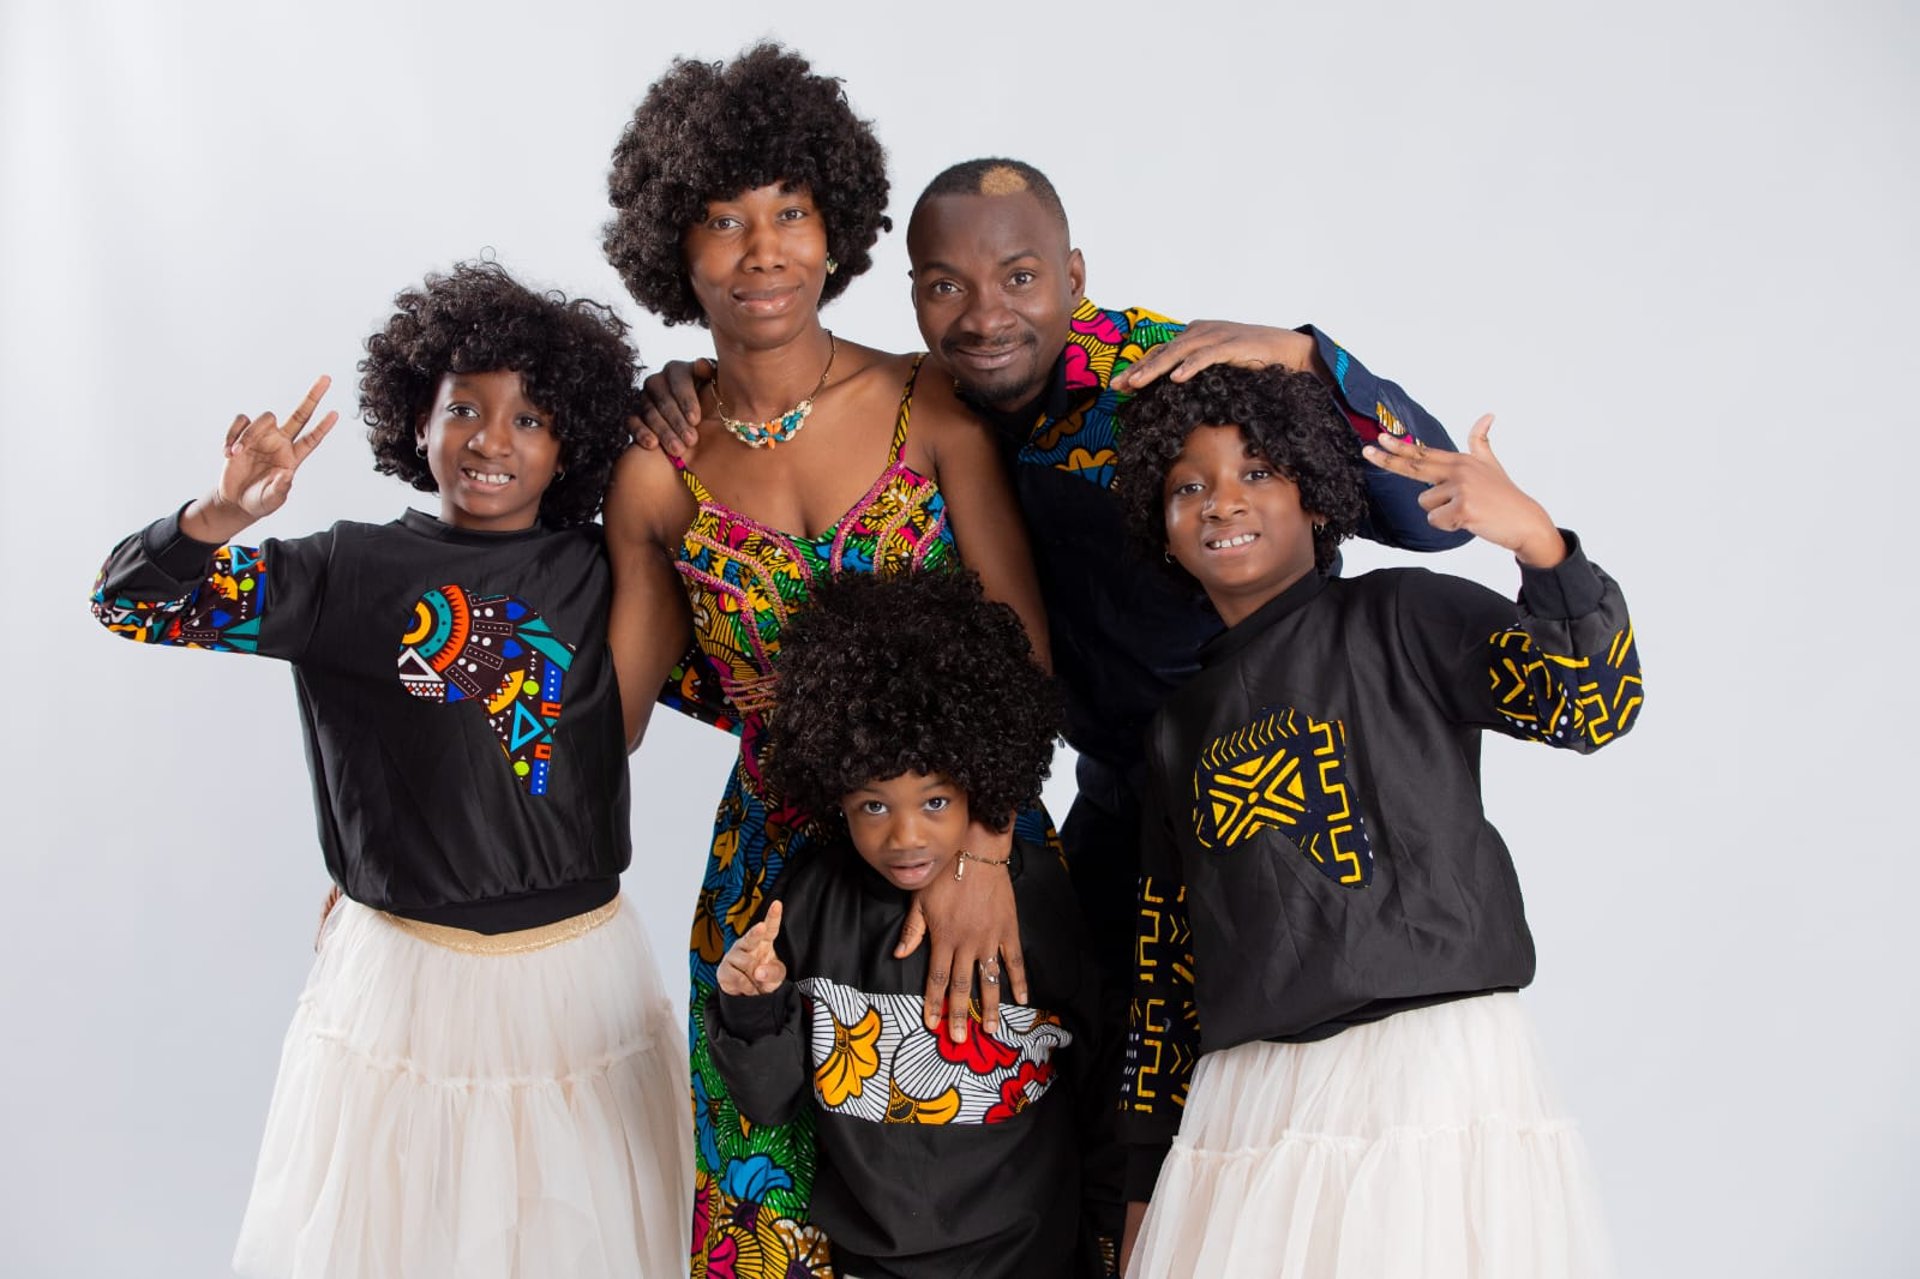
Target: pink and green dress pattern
x=744, y=579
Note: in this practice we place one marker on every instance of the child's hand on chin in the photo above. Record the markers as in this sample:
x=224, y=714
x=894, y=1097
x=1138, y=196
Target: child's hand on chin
x=750, y=967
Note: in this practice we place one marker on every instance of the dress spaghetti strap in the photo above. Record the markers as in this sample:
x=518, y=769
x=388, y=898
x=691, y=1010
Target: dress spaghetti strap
x=899, y=445
x=692, y=481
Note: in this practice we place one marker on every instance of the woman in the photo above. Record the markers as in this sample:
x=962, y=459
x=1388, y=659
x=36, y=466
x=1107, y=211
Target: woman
x=746, y=196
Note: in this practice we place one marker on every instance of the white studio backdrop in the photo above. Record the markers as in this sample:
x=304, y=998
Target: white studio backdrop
x=1671, y=245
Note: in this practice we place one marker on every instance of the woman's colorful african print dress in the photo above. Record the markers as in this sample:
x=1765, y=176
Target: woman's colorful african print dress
x=753, y=1182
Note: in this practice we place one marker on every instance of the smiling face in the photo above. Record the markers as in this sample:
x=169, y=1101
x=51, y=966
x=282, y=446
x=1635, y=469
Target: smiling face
x=1235, y=522
x=757, y=264
x=907, y=827
x=994, y=286
x=492, y=451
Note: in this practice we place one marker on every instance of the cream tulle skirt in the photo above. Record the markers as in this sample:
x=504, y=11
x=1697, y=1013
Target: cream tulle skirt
x=444, y=1113
x=1426, y=1145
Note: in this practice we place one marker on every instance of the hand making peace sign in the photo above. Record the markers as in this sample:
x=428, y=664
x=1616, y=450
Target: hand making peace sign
x=261, y=457
x=1472, y=491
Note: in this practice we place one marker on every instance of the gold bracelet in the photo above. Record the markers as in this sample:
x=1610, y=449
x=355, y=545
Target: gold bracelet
x=962, y=857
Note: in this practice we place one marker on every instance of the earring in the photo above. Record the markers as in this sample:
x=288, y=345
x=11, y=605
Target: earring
x=832, y=266
x=421, y=449
x=1167, y=556
x=559, y=472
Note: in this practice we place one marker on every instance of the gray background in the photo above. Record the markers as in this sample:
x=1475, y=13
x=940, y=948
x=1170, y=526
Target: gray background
x=1672, y=246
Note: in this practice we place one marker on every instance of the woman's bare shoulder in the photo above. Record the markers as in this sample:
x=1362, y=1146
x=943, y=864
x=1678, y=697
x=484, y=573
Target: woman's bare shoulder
x=867, y=367
x=646, y=498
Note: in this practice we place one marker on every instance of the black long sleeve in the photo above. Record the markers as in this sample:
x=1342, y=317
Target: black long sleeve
x=759, y=1044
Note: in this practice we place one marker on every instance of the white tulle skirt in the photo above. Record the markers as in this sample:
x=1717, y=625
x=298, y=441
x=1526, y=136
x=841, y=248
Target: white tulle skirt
x=1426, y=1145
x=517, y=1112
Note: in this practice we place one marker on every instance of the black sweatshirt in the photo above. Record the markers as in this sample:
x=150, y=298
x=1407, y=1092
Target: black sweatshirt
x=462, y=723
x=1316, y=854
x=935, y=1158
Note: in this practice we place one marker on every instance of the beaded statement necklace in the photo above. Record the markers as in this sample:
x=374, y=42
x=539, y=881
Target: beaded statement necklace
x=775, y=430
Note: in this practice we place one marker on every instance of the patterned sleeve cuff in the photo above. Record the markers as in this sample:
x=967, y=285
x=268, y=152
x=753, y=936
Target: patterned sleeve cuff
x=1568, y=590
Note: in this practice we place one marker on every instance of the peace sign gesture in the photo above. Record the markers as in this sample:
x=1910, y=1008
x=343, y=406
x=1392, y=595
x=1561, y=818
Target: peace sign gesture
x=1472, y=491
x=750, y=967
x=261, y=457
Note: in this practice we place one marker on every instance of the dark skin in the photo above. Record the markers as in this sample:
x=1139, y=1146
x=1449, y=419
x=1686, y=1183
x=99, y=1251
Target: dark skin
x=260, y=458
x=1234, y=521
x=995, y=284
x=757, y=262
x=1238, y=519
x=907, y=828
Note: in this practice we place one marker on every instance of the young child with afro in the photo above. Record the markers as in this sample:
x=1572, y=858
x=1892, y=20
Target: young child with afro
x=906, y=706
x=484, y=1075
x=1328, y=1069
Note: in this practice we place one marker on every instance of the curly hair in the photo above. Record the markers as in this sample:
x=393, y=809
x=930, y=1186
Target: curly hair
x=1288, y=418
x=709, y=131
x=572, y=358
x=910, y=673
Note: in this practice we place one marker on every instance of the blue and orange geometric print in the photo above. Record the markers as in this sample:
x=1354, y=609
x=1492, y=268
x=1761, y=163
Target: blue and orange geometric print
x=494, y=650
x=1286, y=769
x=222, y=613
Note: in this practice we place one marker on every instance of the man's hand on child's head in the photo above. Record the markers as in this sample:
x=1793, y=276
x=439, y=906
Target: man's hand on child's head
x=1206, y=343
x=750, y=966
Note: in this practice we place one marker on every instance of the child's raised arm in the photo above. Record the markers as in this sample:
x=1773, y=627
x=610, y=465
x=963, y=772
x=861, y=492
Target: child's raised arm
x=176, y=583
x=1559, y=666
x=756, y=1031
x=261, y=457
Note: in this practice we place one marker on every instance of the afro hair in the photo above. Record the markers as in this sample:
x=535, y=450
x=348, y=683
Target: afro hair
x=1288, y=418
x=572, y=358
x=710, y=131
x=882, y=675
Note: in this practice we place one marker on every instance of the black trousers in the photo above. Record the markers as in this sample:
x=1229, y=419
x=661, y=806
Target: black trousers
x=1102, y=841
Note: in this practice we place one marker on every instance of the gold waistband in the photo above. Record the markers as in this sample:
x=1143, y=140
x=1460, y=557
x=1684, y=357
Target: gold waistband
x=468, y=942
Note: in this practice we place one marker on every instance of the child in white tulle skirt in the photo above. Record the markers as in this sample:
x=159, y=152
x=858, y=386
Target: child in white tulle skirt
x=483, y=1077
x=1328, y=1072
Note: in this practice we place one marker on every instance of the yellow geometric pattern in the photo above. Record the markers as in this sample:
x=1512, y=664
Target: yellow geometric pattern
x=1576, y=702
x=1285, y=770
x=1163, y=1027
